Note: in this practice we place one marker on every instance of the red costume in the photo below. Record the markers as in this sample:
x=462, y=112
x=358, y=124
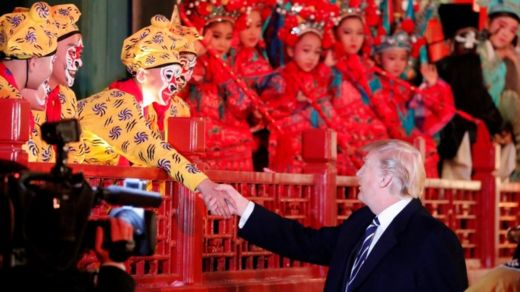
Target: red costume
x=351, y=100
x=229, y=140
x=408, y=116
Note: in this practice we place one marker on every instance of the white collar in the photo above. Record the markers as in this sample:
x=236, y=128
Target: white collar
x=387, y=216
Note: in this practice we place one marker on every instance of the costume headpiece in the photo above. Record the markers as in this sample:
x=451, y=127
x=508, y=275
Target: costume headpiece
x=408, y=34
x=151, y=47
x=65, y=16
x=452, y=23
x=510, y=7
x=205, y=12
x=188, y=35
x=364, y=9
x=399, y=39
x=247, y=6
x=303, y=16
x=24, y=35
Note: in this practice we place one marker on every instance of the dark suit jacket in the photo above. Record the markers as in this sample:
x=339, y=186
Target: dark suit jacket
x=415, y=253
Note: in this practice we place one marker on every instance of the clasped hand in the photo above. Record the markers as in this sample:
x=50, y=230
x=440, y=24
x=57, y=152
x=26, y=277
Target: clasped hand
x=221, y=199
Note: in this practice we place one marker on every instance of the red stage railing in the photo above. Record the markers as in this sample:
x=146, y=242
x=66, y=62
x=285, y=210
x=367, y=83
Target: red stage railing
x=198, y=251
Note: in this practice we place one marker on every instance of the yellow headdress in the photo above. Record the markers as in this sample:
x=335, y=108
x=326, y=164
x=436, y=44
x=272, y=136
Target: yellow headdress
x=24, y=35
x=65, y=16
x=151, y=47
x=188, y=35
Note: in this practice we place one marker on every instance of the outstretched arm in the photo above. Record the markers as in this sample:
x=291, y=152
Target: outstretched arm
x=280, y=235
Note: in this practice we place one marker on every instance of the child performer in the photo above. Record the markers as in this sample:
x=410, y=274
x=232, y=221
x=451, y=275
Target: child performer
x=351, y=89
x=28, y=44
x=501, y=66
x=306, y=79
x=61, y=102
x=229, y=140
x=249, y=61
x=399, y=108
x=114, y=120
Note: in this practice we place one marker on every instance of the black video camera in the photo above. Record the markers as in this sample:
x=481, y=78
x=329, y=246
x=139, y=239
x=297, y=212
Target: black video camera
x=44, y=217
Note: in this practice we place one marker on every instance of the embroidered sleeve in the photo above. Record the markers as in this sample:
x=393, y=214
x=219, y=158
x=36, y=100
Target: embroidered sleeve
x=115, y=117
x=69, y=110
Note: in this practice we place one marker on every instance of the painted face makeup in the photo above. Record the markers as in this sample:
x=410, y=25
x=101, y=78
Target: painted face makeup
x=188, y=62
x=169, y=76
x=73, y=62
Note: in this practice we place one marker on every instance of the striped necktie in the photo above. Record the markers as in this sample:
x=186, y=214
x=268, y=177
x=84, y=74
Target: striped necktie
x=362, y=252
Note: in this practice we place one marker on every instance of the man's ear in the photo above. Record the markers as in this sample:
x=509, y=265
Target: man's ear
x=385, y=181
x=140, y=76
x=290, y=52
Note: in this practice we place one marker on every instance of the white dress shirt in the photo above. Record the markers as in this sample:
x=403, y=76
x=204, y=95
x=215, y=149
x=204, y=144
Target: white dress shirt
x=386, y=217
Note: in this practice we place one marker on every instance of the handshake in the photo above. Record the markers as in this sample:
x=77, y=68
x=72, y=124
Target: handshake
x=221, y=199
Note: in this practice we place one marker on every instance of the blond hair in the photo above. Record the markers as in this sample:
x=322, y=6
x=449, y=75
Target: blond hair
x=403, y=162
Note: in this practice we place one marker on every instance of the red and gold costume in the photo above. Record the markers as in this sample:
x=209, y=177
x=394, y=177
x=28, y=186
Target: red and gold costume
x=294, y=115
x=351, y=100
x=396, y=106
x=229, y=140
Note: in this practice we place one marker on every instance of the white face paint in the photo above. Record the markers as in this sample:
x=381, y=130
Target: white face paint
x=169, y=87
x=73, y=62
x=188, y=62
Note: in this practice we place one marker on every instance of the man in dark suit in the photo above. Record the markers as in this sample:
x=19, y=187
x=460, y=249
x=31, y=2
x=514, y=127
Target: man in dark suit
x=392, y=244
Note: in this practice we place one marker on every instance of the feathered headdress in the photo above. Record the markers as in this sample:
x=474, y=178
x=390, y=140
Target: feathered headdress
x=408, y=33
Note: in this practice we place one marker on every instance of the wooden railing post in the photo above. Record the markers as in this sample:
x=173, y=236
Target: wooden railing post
x=187, y=135
x=484, y=166
x=319, y=154
x=15, y=119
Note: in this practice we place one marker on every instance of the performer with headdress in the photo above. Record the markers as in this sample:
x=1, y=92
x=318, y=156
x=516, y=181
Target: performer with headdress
x=229, y=140
x=28, y=44
x=406, y=114
x=501, y=65
x=307, y=29
x=114, y=120
x=248, y=59
x=463, y=71
x=351, y=98
x=188, y=52
x=61, y=102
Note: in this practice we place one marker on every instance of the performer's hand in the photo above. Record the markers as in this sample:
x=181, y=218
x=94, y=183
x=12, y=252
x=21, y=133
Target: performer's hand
x=429, y=72
x=510, y=54
x=120, y=230
x=217, y=201
x=239, y=201
x=330, y=59
x=36, y=97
